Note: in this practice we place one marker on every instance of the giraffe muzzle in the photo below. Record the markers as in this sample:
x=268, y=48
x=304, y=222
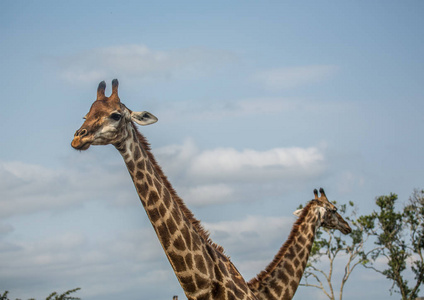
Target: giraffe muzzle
x=346, y=229
x=80, y=141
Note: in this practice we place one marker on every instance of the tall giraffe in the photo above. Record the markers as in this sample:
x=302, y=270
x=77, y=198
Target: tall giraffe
x=280, y=279
x=201, y=266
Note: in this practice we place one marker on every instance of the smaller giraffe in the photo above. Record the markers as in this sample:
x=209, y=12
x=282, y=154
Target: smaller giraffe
x=280, y=279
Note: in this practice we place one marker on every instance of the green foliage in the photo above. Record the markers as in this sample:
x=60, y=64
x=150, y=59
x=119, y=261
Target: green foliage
x=52, y=296
x=400, y=237
x=4, y=296
x=64, y=296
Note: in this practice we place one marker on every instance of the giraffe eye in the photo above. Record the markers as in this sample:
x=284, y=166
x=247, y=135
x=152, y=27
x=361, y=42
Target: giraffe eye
x=115, y=116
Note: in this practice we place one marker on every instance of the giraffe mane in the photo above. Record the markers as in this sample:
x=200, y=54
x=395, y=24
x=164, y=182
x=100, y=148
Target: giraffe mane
x=277, y=258
x=189, y=215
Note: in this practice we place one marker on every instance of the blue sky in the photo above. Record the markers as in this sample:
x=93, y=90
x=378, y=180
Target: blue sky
x=258, y=104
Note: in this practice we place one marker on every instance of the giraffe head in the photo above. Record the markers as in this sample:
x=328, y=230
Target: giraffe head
x=327, y=213
x=108, y=120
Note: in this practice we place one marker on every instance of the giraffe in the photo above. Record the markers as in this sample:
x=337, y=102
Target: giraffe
x=280, y=279
x=200, y=265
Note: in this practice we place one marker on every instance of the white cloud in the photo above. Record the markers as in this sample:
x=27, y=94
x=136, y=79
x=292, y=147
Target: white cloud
x=265, y=105
x=176, y=158
x=142, y=63
x=201, y=195
x=286, y=78
x=348, y=182
x=5, y=229
x=262, y=235
x=29, y=188
x=259, y=109
x=69, y=260
x=215, y=110
x=221, y=175
x=252, y=229
x=257, y=166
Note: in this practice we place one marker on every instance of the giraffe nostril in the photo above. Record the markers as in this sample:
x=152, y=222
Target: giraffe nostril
x=81, y=132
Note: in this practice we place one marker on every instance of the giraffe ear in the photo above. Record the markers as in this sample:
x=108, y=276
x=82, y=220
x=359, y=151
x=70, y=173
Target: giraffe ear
x=143, y=118
x=298, y=212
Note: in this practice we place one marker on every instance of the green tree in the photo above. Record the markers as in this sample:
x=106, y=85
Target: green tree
x=64, y=296
x=4, y=296
x=400, y=240
x=330, y=246
x=52, y=296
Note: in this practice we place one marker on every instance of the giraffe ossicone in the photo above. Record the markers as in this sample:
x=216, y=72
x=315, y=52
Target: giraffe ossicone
x=281, y=278
x=200, y=265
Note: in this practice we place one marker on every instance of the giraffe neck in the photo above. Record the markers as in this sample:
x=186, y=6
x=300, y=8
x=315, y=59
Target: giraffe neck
x=282, y=276
x=201, y=267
